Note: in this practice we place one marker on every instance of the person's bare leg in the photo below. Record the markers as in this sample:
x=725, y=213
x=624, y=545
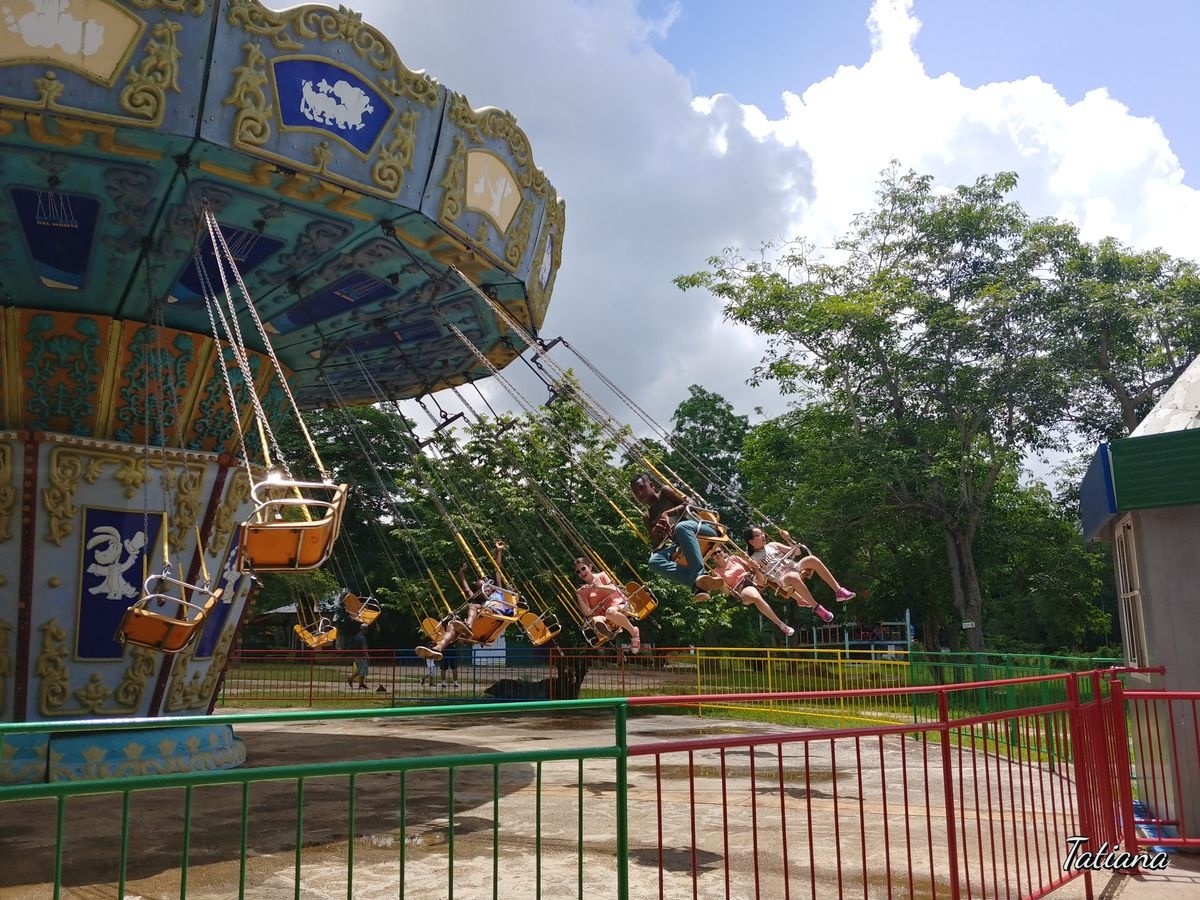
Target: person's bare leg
x=798, y=590
x=751, y=596
x=815, y=564
x=618, y=619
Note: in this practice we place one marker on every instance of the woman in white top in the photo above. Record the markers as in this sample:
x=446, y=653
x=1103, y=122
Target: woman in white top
x=789, y=565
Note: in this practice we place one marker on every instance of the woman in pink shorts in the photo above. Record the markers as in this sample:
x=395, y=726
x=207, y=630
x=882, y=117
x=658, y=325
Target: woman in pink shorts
x=600, y=600
x=739, y=576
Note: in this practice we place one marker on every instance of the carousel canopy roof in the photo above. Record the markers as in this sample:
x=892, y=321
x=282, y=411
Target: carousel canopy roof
x=345, y=184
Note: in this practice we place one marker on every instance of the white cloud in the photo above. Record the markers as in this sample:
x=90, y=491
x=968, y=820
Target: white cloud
x=657, y=179
x=1091, y=162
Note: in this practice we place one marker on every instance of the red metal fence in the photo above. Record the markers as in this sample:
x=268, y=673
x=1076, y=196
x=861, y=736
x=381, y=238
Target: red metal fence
x=967, y=799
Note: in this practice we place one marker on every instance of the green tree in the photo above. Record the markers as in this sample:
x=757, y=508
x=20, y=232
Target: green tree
x=927, y=330
x=707, y=447
x=1127, y=324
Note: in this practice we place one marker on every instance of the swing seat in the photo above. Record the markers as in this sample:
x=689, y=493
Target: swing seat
x=540, y=629
x=488, y=627
x=509, y=606
x=324, y=636
x=597, y=634
x=639, y=600
x=166, y=634
x=433, y=628
x=294, y=533
x=708, y=543
x=364, y=611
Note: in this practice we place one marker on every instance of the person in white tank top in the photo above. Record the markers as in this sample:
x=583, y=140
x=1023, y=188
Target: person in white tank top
x=789, y=565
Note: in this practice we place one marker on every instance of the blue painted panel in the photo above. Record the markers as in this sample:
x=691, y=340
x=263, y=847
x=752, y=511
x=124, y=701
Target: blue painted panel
x=1097, y=496
x=235, y=585
x=249, y=249
x=344, y=294
x=59, y=230
x=116, y=545
x=318, y=94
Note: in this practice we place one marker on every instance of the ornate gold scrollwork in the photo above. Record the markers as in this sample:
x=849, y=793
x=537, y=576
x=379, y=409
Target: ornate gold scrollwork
x=252, y=125
x=56, y=681
x=49, y=89
x=179, y=6
x=236, y=495
x=518, y=238
x=397, y=154
x=480, y=126
x=145, y=93
x=70, y=465
x=454, y=182
x=308, y=22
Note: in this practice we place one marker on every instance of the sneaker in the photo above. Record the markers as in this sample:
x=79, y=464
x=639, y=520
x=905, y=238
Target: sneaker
x=363, y=686
x=635, y=645
x=709, y=583
x=428, y=653
x=442, y=685
x=843, y=595
x=350, y=681
x=700, y=596
x=823, y=614
x=788, y=631
x=455, y=685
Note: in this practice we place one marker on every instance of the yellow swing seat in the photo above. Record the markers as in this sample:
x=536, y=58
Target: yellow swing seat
x=708, y=543
x=322, y=636
x=363, y=610
x=291, y=533
x=540, y=629
x=166, y=634
x=597, y=633
x=639, y=600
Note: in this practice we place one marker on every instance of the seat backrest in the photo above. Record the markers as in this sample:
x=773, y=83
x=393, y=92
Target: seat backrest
x=540, y=629
x=641, y=601
x=488, y=628
x=432, y=628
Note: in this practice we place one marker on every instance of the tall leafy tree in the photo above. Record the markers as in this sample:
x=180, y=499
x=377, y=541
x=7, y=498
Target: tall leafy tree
x=927, y=328
x=1127, y=324
x=707, y=438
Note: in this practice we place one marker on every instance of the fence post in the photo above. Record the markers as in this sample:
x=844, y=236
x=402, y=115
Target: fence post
x=312, y=662
x=622, y=811
x=1121, y=740
x=948, y=791
x=1083, y=754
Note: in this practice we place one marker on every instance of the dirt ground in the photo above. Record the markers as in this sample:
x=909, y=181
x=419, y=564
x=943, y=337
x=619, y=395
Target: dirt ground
x=556, y=823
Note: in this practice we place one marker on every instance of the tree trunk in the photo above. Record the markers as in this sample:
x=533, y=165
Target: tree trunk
x=974, y=608
x=960, y=556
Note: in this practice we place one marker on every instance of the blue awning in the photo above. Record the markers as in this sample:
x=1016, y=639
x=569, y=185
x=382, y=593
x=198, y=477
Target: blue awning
x=1097, y=495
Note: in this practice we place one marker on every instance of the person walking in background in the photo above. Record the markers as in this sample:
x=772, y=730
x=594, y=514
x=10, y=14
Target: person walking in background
x=361, y=660
x=448, y=664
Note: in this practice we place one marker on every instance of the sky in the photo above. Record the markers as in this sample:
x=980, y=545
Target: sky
x=676, y=128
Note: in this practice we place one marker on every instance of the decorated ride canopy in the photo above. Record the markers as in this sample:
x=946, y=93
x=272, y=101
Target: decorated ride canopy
x=345, y=184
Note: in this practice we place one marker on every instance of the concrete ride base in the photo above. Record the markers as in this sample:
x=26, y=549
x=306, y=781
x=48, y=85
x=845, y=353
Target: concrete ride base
x=92, y=848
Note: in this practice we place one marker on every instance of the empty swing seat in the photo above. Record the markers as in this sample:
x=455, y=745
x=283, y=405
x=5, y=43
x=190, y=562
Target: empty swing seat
x=291, y=533
x=363, y=610
x=540, y=629
x=166, y=634
x=640, y=601
x=323, y=636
